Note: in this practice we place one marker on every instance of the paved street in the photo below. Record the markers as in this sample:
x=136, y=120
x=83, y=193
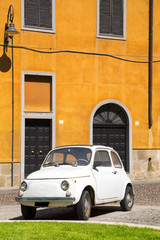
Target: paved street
x=146, y=210
x=143, y=215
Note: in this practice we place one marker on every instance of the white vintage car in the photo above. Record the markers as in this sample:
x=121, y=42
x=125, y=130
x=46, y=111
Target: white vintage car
x=79, y=176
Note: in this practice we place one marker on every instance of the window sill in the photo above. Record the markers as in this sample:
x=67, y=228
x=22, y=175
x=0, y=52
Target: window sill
x=32, y=29
x=112, y=37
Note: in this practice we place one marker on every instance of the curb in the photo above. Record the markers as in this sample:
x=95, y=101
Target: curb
x=91, y=222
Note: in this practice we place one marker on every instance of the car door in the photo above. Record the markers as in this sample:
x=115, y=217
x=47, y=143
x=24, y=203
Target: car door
x=119, y=172
x=105, y=176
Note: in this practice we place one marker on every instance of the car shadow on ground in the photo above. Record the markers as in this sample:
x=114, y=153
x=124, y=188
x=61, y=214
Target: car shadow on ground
x=69, y=213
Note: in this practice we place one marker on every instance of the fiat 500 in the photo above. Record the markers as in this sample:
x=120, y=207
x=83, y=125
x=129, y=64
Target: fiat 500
x=79, y=176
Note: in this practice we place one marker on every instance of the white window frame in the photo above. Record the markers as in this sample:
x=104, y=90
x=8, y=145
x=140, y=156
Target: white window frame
x=111, y=36
x=23, y=27
x=35, y=115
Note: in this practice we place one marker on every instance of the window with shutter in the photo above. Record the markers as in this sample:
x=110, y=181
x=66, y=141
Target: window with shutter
x=38, y=14
x=111, y=18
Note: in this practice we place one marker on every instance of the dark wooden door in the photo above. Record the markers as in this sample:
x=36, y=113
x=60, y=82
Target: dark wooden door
x=112, y=136
x=37, y=143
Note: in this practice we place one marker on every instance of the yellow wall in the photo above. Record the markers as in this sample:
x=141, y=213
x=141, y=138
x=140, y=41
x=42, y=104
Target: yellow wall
x=83, y=81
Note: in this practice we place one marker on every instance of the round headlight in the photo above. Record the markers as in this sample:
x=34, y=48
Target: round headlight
x=64, y=185
x=23, y=186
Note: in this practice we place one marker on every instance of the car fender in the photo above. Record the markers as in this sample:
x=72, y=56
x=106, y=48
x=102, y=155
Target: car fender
x=128, y=184
x=81, y=184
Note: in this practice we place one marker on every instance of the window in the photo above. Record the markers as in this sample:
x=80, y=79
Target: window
x=116, y=160
x=38, y=93
x=70, y=159
x=102, y=159
x=111, y=18
x=38, y=15
x=73, y=155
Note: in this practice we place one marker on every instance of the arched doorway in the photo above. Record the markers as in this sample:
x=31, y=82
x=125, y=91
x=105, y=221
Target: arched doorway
x=111, y=127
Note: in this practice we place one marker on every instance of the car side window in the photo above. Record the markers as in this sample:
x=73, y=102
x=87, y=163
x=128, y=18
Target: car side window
x=102, y=159
x=116, y=161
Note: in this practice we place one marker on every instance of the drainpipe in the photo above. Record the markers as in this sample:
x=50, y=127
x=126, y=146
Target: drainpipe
x=150, y=62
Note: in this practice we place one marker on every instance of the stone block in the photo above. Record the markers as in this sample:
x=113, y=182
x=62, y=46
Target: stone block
x=5, y=169
x=142, y=167
x=8, y=182
x=16, y=181
x=142, y=155
x=2, y=181
x=134, y=155
x=16, y=169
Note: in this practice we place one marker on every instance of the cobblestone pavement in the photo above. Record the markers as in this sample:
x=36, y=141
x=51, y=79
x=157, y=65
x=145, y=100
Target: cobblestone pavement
x=146, y=210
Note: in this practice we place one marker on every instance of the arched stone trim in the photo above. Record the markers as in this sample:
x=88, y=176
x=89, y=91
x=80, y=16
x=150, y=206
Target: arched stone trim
x=129, y=127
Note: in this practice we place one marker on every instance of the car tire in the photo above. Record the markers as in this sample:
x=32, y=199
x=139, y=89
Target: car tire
x=84, y=206
x=128, y=200
x=28, y=212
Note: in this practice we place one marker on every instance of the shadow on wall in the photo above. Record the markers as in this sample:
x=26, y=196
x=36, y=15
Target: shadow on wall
x=5, y=61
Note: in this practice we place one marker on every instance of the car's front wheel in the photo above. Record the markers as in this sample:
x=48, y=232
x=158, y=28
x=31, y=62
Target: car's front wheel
x=28, y=212
x=128, y=200
x=84, y=206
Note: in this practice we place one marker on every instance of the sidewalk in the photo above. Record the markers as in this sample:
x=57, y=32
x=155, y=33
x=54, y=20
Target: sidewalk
x=7, y=195
x=147, y=192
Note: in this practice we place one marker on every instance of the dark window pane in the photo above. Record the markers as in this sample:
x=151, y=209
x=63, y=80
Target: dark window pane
x=105, y=16
x=110, y=114
x=31, y=12
x=38, y=13
x=116, y=160
x=111, y=17
x=102, y=159
x=117, y=18
x=46, y=13
x=105, y=160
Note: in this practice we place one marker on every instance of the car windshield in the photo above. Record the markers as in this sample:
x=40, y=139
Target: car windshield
x=75, y=156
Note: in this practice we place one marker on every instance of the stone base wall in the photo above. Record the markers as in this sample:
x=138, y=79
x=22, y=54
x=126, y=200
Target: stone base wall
x=145, y=164
x=5, y=175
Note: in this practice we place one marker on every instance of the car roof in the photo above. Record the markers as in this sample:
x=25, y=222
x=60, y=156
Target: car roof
x=93, y=147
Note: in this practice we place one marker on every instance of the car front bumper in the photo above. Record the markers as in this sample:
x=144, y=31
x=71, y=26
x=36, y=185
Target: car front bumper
x=46, y=201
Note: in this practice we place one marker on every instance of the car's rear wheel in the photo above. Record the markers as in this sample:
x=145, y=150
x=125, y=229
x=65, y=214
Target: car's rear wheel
x=128, y=200
x=28, y=212
x=84, y=206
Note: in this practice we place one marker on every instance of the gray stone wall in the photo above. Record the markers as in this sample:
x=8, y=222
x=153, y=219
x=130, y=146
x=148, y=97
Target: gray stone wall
x=146, y=164
x=5, y=175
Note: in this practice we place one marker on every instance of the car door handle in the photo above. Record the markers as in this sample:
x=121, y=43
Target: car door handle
x=114, y=172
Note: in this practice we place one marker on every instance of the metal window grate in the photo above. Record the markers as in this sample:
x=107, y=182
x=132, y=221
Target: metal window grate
x=109, y=114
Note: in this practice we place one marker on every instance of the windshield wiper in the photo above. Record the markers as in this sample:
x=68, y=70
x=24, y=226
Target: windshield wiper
x=71, y=164
x=51, y=164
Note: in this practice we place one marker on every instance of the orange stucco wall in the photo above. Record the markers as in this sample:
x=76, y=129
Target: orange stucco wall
x=83, y=81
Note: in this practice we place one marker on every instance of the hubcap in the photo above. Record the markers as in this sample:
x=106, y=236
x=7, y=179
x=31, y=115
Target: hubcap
x=129, y=200
x=87, y=205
